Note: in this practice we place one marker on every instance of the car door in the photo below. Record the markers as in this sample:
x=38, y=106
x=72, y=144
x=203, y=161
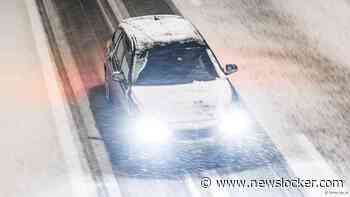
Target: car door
x=111, y=48
x=119, y=89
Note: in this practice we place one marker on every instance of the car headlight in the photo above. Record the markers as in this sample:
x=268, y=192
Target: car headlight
x=151, y=131
x=234, y=123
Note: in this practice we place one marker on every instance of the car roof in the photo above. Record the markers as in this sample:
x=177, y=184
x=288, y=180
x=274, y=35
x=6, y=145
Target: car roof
x=148, y=31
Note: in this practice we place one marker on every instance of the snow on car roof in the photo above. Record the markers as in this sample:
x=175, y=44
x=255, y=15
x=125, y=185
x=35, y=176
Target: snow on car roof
x=148, y=31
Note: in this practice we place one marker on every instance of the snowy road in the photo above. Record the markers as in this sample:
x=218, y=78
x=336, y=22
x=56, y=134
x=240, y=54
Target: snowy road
x=293, y=67
x=39, y=155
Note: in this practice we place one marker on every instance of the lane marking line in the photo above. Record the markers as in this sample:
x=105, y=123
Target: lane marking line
x=192, y=186
x=110, y=24
x=82, y=183
x=106, y=181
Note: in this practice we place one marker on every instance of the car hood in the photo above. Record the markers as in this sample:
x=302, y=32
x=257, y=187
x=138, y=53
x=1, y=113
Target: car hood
x=197, y=103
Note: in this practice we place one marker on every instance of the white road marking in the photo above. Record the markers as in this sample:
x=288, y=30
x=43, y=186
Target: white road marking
x=81, y=181
x=79, y=91
x=110, y=25
x=108, y=174
x=192, y=186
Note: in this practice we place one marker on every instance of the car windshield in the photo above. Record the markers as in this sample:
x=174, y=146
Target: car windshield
x=176, y=63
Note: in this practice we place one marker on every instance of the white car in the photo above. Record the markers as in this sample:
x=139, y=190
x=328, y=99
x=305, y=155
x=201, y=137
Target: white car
x=162, y=72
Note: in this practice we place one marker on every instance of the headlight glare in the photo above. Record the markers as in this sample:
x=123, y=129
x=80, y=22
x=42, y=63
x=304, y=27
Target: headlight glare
x=234, y=123
x=151, y=131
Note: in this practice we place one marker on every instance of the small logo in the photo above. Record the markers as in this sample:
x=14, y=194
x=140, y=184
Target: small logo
x=205, y=182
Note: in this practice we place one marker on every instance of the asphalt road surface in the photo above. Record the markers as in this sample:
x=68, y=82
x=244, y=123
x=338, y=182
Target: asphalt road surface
x=285, y=72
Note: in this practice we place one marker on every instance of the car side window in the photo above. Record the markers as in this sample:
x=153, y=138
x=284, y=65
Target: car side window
x=115, y=63
x=121, y=48
x=118, y=53
x=116, y=35
x=123, y=55
x=114, y=42
x=128, y=52
x=125, y=67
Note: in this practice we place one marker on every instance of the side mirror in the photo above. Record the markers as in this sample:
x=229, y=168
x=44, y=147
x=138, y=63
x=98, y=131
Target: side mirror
x=113, y=36
x=230, y=68
x=118, y=76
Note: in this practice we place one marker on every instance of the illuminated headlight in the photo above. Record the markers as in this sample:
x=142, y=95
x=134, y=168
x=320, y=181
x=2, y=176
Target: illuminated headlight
x=234, y=123
x=151, y=131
